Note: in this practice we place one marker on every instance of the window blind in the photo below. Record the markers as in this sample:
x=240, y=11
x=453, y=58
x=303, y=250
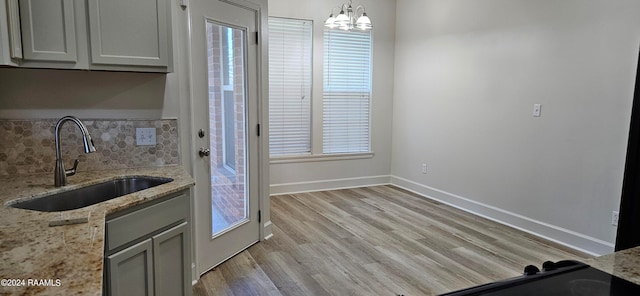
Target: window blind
x=347, y=91
x=290, y=52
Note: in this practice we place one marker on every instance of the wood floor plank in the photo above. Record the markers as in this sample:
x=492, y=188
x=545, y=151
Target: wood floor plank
x=379, y=240
x=240, y=275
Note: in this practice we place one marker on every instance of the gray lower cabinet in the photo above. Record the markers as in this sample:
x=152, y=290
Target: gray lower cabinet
x=148, y=250
x=130, y=271
x=170, y=269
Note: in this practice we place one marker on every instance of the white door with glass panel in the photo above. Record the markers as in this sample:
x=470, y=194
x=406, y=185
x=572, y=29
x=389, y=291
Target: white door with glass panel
x=225, y=116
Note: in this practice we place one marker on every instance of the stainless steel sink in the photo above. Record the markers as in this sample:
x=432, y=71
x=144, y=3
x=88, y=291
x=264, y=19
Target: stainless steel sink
x=86, y=196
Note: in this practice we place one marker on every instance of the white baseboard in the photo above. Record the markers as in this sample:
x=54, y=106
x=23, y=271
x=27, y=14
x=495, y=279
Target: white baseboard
x=571, y=239
x=566, y=237
x=267, y=232
x=310, y=186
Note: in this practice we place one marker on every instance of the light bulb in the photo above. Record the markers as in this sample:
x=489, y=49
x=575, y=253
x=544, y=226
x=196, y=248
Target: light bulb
x=363, y=22
x=331, y=22
x=342, y=19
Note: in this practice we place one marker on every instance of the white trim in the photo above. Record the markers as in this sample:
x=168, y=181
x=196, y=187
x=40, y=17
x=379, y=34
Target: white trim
x=310, y=186
x=320, y=157
x=266, y=230
x=563, y=236
x=557, y=234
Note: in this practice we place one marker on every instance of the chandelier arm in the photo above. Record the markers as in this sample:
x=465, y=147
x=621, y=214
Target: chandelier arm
x=333, y=9
x=355, y=11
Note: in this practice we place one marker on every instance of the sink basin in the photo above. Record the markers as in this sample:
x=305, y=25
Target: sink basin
x=93, y=194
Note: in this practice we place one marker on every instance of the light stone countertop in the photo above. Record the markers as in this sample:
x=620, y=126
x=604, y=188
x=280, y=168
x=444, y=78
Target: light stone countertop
x=73, y=254
x=623, y=264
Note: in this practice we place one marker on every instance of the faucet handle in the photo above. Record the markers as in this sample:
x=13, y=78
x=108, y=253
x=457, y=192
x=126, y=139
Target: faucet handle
x=72, y=171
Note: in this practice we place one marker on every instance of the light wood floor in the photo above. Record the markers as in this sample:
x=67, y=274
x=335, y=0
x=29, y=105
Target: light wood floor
x=376, y=241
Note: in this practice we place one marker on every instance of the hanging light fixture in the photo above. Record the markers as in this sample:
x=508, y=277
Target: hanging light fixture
x=349, y=19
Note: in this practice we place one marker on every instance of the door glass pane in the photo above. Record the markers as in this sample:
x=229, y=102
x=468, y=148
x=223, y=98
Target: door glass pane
x=227, y=126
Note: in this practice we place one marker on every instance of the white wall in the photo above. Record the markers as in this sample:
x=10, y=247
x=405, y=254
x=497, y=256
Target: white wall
x=313, y=174
x=466, y=79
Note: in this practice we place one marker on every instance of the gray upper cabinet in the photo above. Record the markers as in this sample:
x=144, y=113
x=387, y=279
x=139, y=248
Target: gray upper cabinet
x=48, y=30
x=116, y=35
x=10, y=37
x=125, y=32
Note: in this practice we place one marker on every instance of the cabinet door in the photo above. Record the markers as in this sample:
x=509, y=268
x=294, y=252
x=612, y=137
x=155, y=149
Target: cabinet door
x=125, y=32
x=171, y=255
x=10, y=36
x=131, y=270
x=48, y=30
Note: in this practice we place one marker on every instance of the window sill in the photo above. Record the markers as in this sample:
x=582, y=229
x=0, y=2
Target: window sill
x=320, y=157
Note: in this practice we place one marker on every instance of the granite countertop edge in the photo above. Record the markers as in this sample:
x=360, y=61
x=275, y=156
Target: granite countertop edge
x=624, y=264
x=38, y=259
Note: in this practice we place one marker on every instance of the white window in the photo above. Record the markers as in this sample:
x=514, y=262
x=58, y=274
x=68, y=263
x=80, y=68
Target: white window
x=290, y=55
x=347, y=91
x=228, y=100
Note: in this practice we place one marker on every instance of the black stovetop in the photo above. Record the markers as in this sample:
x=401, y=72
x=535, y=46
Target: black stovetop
x=564, y=278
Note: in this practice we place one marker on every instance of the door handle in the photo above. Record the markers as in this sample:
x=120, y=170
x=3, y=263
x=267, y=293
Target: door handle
x=204, y=152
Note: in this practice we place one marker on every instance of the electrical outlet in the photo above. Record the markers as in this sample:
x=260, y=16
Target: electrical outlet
x=614, y=218
x=146, y=136
x=537, y=109
x=424, y=168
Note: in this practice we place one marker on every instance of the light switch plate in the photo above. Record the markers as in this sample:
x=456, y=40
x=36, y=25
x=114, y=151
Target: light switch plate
x=537, y=108
x=145, y=136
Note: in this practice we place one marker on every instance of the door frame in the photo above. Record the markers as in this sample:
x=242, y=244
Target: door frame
x=259, y=7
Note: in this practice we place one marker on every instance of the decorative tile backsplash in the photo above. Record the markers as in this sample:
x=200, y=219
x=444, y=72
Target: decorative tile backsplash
x=28, y=146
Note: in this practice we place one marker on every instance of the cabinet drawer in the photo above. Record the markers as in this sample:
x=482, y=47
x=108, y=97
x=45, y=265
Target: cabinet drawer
x=129, y=227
